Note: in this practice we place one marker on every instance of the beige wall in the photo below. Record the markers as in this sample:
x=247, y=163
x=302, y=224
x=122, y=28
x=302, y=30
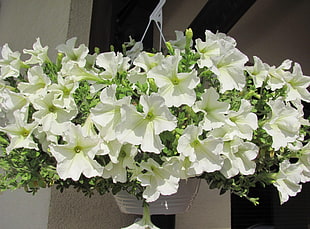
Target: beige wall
x=21, y=22
x=276, y=30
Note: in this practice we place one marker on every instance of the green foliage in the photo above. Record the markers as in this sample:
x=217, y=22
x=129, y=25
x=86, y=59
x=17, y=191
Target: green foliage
x=26, y=168
x=84, y=100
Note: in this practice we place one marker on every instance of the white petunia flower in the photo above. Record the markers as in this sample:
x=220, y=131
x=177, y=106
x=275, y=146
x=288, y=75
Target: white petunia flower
x=176, y=88
x=11, y=102
x=112, y=64
x=144, y=128
x=205, y=154
x=239, y=158
x=76, y=157
x=144, y=223
x=66, y=88
x=157, y=180
x=52, y=117
x=38, y=53
x=259, y=71
x=107, y=114
x=229, y=67
x=135, y=50
x=243, y=121
x=147, y=61
x=180, y=166
x=283, y=125
x=207, y=50
x=37, y=83
x=77, y=73
x=215, y=111
x=20, y=133
x=239, y=123
x=10, y=63
x=297, y=85
x=125, y=160
x=276, y=75
x=73, y=55
x=304, y=163
x=180, y=41
x=287, y=180
x=136, y=75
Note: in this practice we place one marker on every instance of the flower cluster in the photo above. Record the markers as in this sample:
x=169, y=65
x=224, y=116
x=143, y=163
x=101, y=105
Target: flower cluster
x=143, y=121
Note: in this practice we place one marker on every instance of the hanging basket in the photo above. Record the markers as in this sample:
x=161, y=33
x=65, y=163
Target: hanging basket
x=179, y=202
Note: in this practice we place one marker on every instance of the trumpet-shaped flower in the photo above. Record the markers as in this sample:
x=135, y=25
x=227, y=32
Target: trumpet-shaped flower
x=52, y=117
x=259, y=71
x=125, y=160
x=205, y=154
x=37, y=82
x=73, y=55
x=304, y=163
x=229, y=68
x=135, y=50
x=287, y=180
x=207, y=50
x=180, y=166
x=77, y=73
x=145, y=222
x=243, y=121
x=11, y=102
x=240, y=123
x=147, y=61
x=112, y=64
x=10, y=62
x=215, y=111
x=239, y=157
x=276, y=75
x=180, y=41
x=76, y=157
x=65, y=87
x=136, y=75
x=157, y=180
x=20, y=133
x=107, y=114
x=144, y=128
x=176, y=88
x=38, y=53
x=283, y=124
x=297, y=85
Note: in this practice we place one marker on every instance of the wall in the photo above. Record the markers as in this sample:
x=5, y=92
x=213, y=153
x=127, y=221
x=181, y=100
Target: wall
x=21, y=22
x=276, y=30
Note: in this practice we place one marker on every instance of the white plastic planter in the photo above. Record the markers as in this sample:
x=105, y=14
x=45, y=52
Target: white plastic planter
x=165, y=205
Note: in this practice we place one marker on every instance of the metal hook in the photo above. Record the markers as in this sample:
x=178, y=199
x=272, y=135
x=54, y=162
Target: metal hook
x=157, y=17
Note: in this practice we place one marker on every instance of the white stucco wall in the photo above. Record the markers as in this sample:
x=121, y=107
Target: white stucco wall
x=21, y=22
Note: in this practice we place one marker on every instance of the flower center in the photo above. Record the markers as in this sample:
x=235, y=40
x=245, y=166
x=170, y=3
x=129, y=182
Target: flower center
x=77, y=149
x=150, y=116
x=52, y=109
x=175, y=80
x=25, y=132
x=195, y=143
x=122, y=154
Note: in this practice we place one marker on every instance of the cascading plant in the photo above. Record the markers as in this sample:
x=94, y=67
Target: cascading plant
x=142, y=121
